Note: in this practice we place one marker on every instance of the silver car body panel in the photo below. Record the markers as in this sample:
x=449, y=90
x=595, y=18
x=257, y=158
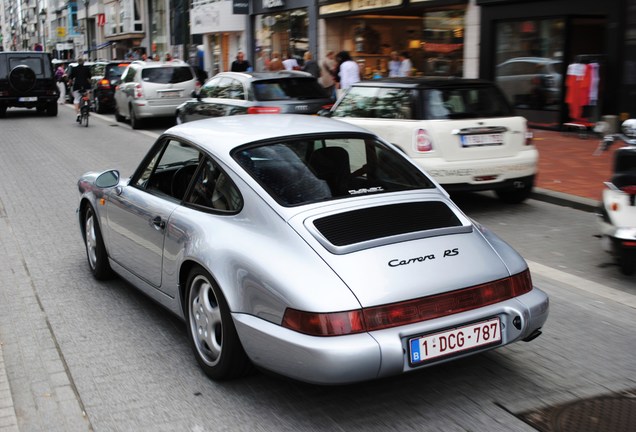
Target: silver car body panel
x=268, y=257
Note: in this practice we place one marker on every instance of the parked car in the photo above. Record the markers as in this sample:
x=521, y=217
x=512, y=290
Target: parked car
x=153, y=89
x=461, y=131
x=231, y=93
x=27, y=80
x=308, y=247
x=105, y=76
x=531, y=82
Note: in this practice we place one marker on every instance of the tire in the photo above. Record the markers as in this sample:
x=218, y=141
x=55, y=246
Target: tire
x=51, y=109
x=85, y=117
x=120, y=118
x=95, y=249
x=135, y=123
x=99, y=109
x=22, y=78
x=211, y=331
x=3, y=111
x=515, y=195
x=627, y=261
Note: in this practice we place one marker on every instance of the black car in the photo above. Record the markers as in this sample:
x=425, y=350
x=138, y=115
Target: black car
x=27, y=80
x=105, y=75
x=231, y=93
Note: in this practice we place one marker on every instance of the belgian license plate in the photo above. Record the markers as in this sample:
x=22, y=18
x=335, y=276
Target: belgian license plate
x=482, y=140
x=457, y=340
x=28, y=99
x=170, y=94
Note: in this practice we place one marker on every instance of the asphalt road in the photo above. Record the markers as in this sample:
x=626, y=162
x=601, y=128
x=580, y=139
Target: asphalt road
x=86, y=355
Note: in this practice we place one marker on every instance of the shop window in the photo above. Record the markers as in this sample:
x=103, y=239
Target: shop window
x=529, y=63
x=281, y=32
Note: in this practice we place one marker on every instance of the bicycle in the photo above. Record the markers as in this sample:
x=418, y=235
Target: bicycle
x=85, y=107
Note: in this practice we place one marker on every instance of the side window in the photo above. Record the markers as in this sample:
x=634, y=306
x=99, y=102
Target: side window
x=129, y=75
x=211, y=88
x=358, y=102
x=224, y=89
x=214, y=190
x=394, y=103
x=169, y=171
x=236, y=90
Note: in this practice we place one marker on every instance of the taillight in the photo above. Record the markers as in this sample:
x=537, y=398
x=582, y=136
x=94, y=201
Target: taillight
x=529, y=138
x=408, y=312
x=324, y=324
x=138, y=92
x=263, y=110
x=328, y=106
x=423, y=142
x=104, y=83
x=630, y=190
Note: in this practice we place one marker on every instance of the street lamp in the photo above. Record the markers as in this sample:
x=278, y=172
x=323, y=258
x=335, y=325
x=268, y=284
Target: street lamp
x=88, y=45
x=43, y=19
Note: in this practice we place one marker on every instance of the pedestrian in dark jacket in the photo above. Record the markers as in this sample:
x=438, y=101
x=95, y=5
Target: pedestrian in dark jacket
x=310, y=65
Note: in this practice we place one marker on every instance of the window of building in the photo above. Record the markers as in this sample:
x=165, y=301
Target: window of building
x=281, y=32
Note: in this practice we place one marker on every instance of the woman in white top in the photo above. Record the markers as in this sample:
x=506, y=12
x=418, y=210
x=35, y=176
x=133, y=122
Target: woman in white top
x=348, y=71
x=406, y=67
x=394, y=64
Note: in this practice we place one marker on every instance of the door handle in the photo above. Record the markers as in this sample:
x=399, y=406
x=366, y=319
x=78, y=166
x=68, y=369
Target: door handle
x=158, y=223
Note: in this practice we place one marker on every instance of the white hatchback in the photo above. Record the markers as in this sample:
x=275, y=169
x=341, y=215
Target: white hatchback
x=461, y=131
x=153, y=89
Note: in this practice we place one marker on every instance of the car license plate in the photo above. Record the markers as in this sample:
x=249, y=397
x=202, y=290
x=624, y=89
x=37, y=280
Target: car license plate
x=28, y=99
x=170, y=94
x=457, y=340
x=482, y=140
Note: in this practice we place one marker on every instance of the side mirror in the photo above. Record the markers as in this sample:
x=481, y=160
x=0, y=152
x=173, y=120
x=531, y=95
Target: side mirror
x=324, y=112
x=107, y=179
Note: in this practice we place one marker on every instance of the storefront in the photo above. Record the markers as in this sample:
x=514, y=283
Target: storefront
x=431, y=32
x=223, y=31
x=284, y=28
x=539, y=51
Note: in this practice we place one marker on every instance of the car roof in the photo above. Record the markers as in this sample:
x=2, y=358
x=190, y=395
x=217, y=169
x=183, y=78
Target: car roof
x=423, y=82
x=152, y=63
x=264, y=75
x=219, y=135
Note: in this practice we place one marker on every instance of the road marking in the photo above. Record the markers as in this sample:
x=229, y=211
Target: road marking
x=583, y=284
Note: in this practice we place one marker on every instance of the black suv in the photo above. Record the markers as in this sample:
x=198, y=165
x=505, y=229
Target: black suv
x=105, y=76
x=27, y=80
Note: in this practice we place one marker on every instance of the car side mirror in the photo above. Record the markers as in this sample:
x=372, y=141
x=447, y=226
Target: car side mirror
x=324, y=112
x=107, y=179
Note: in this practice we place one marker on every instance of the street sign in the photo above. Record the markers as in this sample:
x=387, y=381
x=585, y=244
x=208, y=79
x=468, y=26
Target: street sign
x=61, y=31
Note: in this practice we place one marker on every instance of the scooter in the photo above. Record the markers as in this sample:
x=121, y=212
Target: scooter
x=617, y=213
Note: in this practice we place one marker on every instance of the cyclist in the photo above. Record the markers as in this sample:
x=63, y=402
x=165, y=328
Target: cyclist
x=80, y=78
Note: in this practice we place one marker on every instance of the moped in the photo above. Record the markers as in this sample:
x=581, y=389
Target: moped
x=617, y=212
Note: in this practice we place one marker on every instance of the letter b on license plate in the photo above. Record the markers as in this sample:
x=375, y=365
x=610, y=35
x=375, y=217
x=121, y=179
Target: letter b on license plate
x=457, y=340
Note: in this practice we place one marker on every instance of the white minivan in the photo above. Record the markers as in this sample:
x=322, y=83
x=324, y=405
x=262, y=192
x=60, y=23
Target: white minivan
x=153, y=89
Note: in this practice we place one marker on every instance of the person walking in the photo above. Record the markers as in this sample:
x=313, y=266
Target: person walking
x=328, y=73
x=275, y=64
x=80, y=79
x=348, y=71
x=310, y=65
x=60, y=78
x=290, y=63
x=394, y=64
x=406, y=66
x=240, y=64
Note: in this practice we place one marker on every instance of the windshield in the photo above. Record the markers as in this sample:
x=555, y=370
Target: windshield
x=309, y=169
x=287, y=89
x=167, y=75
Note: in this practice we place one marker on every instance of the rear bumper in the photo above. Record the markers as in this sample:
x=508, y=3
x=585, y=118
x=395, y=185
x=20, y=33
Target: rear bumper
x=512, y=183
x=367, y=356
x=14, y=101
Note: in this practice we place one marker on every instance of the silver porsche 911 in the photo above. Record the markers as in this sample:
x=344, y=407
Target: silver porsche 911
x=307, y=247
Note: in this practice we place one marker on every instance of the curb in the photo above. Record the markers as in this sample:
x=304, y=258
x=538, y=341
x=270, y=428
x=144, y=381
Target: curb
x=567, y=200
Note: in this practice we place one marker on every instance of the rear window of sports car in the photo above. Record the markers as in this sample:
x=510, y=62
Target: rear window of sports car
x=306, y=170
